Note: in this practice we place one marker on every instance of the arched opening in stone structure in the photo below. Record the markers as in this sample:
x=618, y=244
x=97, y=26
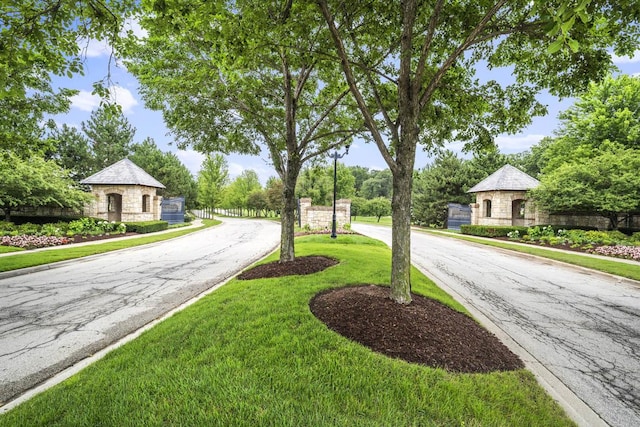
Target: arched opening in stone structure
x=487, y=208
x=146, y=203
x=114, y=207
x=517, y=212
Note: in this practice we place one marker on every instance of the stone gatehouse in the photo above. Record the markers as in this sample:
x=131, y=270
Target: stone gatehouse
x=321, y=217
x=123, y=192
x=501, y=199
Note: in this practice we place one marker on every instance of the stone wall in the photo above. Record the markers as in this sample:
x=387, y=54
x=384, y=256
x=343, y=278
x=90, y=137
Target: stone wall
x=321, y=217
x=502, y=209
x=131, y=207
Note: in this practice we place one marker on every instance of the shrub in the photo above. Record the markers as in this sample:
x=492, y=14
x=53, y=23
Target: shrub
x=188, y=217
x=95, y=227
x=491, y=230
x=147, y=226
x=7, y=228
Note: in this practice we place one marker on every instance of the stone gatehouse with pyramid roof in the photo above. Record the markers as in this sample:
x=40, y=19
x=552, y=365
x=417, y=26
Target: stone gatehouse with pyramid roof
x=123, y=192
x=501, y=199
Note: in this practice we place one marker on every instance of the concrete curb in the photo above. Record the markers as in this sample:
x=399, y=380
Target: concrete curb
x=575, y=408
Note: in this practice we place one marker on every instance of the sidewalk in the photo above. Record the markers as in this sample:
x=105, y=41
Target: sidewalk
x=195, y=223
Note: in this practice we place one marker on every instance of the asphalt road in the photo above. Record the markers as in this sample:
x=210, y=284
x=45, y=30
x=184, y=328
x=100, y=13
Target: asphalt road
x=583, y=326
x=51, y=319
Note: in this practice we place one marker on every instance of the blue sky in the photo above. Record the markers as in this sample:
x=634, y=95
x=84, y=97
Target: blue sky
x=150, y=123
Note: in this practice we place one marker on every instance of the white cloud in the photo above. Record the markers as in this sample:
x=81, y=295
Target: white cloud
x=94, y=48
x=86, y=101
x=133, y=25
x=191, y=159
x=518, y=143
x=626, y=59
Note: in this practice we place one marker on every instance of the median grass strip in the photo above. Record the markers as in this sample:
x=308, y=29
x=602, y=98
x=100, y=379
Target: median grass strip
x=32, y=259
x=251, y=353
x=623, y=269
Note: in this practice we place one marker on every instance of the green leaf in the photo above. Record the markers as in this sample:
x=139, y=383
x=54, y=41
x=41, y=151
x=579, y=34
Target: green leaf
x=574, y=45
x=556, y=45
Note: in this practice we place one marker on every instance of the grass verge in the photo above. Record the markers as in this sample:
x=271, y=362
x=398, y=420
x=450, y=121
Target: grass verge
x=385, y=220
x=622, y=269
x=252, y=353
x=32, y=259
x=6, y=249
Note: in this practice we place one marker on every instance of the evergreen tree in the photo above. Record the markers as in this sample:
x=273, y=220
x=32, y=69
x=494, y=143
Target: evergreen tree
x=110, y=136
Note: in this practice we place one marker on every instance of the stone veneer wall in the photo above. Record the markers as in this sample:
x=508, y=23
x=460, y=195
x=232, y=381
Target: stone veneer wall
x=501, y=213
x=131, y=202
x=321, y=217
x=501, y=205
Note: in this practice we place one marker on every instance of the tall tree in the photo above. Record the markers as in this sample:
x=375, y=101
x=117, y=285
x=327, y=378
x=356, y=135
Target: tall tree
x=411, y=65
x=607, y=111
x=41, y=39
x=361, y=174
x=316, y=182
x=274, y=194
x=71, y=152
x=212, y=178
x=605, y=181
x=167, y=168
x=231, y=76
x=110, y=135
x=35, y=182
x=238, y=192
x=444, y=181
x=378, y=185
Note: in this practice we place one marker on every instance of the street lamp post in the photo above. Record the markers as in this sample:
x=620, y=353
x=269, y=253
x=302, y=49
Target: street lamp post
x=335, y=156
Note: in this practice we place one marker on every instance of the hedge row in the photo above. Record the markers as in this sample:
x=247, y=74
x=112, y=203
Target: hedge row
x=491, y=230
x=146, y=226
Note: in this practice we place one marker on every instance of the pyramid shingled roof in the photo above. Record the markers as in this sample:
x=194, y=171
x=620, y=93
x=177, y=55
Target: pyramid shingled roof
x=124, y=172
x=506, y=178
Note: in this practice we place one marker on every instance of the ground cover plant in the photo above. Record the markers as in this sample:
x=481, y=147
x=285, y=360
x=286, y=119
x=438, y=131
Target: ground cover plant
x=252, y=353
x=610, y=243
x=30, y=236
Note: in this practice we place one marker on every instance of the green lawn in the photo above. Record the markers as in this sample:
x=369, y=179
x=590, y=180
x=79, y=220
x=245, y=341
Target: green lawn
x=252, y=354
x=385, y=220
x=32, y=259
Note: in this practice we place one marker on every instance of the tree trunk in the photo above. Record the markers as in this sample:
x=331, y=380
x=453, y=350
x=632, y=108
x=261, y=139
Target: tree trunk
x=288, y=220
x=401, y=227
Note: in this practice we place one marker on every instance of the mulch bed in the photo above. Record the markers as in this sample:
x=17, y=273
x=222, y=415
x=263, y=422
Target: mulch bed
x=425, y=331
x=300, y=266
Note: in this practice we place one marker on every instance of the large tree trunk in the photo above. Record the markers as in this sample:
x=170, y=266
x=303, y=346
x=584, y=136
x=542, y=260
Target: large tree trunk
x=401, y=226
x=287, y=224
x=289, y=207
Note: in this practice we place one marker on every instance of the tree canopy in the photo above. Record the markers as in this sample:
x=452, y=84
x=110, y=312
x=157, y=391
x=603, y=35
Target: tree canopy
x=41, y=39
x=241, y=75
x=592, y=164
x=35, y=182
x=411, y=67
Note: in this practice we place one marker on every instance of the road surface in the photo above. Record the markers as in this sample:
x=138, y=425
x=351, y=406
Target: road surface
x=51, y=319
x=582, y=326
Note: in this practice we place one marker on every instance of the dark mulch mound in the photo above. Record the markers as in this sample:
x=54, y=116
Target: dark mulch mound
x=425, y=331
x=299, y=266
